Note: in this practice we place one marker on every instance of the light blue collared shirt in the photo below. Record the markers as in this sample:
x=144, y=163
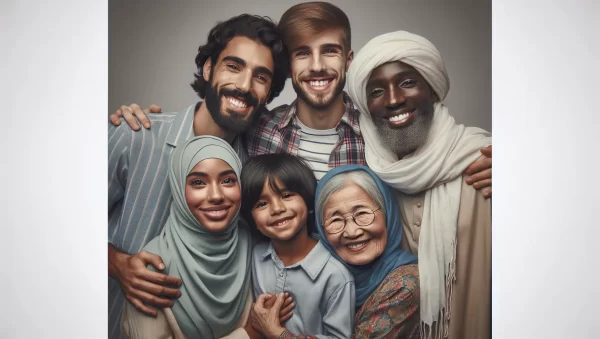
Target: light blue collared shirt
x=322, y=288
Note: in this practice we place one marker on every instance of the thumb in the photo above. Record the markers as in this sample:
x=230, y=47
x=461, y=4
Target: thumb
x=278, y=303
x=152, y=259
x=487, y=151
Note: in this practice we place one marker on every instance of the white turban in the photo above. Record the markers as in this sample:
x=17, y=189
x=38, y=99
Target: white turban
x=406, y=47
x=434, y=168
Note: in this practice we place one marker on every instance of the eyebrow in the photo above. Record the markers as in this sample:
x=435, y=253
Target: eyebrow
x=354, y=209
x=402, y=74
x=242, y=62
x=202, y=174
x=338, y=46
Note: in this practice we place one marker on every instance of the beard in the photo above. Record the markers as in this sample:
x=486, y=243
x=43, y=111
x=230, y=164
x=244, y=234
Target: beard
x=230, y=120
x=322, y=101
x=404, y=140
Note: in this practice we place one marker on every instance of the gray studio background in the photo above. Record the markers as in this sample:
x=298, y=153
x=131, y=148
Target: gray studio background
x=152, y=46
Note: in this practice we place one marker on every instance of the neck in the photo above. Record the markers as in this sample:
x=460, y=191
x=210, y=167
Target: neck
x=204, y=124
x=324, y=118
x=294, y=250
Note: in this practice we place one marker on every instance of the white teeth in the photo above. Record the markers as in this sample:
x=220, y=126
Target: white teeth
x=355, y=246
x=217, y=212
x=282, y=222
x=237, y=103
x=321, y=83
x=399, y=117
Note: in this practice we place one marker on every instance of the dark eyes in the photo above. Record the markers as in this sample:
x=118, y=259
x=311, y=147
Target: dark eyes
x=408, y=83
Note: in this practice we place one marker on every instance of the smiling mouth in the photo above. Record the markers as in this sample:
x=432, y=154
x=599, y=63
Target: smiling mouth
x=319, y=85
x=216, y=214
x=357, y=246
x=401, y=119
x=236, y=102
x=282, y=222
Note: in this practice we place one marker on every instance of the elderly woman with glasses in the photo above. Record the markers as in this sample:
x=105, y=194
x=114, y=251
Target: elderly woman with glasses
x=358, y=221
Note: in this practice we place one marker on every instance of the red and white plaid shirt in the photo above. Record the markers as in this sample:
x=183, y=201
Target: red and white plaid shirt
x=277, y=132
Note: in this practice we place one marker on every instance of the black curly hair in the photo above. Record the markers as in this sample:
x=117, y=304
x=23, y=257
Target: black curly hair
x=261, y=29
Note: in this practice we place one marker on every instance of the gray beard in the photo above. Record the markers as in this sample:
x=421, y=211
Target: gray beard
x=404, y=140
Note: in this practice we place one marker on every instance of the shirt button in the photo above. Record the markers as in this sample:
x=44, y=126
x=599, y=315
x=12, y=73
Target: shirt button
x=419, y=205
x=417, y=224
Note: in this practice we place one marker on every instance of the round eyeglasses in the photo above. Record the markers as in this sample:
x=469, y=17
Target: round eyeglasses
x=361, y=218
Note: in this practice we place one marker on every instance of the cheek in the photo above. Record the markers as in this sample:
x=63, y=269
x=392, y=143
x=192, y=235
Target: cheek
x=260, y=218
x=194, y=197
x=375, y=107
x=297, y=67
x=234, y=195
x=379, y=237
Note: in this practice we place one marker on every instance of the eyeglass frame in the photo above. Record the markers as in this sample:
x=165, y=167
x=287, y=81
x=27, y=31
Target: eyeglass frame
x=353, y=219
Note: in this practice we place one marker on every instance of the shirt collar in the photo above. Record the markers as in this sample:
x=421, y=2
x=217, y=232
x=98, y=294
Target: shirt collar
x=350, y=116
x=312, y=264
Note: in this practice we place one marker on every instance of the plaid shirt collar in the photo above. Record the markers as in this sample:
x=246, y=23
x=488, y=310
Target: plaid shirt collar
x=350, y=116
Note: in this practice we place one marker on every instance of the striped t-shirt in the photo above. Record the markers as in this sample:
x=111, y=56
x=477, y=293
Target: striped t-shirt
x=316, y=147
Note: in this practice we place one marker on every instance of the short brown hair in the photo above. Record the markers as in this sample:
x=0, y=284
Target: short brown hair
x=312, y=18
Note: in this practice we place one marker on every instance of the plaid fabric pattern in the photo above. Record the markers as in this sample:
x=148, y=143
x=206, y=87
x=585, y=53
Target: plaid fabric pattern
x=277, y=132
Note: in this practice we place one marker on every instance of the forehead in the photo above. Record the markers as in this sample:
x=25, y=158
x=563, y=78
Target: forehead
x=211, y=166
x=392, y=69
x=329, y=36
x=349, y=196
x=251, y=51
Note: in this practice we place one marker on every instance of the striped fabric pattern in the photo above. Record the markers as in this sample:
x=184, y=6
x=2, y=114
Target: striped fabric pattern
x=139, y=195
x=278, y=132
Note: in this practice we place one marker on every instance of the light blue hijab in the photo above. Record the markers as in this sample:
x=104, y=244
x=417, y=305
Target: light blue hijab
x=368, y=277
x=214, y=266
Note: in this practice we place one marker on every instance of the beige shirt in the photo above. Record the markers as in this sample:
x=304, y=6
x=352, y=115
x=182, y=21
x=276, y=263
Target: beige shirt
x=137, y=325
x=471, y=297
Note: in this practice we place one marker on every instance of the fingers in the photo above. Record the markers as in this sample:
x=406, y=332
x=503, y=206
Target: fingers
x=285, y=317
x=260, y=301
x=152, y=259
x=150, y=299
x=479, y=165
x=154, y=109
x=487, y=193
x=487, y=151
x=140, y=115
x=155, y=289
x=269, y=301
x=129, y=117
x=286, y=310
x=287, y=299
x=480, y=176
x=278, y=303
x=115, y=118
x=140, y=306
x=483, y=183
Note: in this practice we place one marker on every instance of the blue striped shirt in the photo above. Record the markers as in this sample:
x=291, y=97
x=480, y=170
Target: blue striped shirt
x=139, y=195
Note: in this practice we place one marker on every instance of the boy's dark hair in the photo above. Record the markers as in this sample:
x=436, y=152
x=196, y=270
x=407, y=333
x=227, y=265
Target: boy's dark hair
x=261, y=29
x=291, y=171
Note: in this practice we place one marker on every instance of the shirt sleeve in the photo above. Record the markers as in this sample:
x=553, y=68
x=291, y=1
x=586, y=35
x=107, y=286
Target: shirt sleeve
x=118, y=164
x=392, y=311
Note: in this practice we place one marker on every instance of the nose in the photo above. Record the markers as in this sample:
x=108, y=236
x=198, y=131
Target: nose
x=316, y=63
x=394, y=97
x=352, y=230
x=215, y=194
x=277, y=207
x=244, y=81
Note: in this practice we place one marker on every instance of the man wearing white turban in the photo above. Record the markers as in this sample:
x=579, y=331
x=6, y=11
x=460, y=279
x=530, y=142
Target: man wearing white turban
x=398, y=81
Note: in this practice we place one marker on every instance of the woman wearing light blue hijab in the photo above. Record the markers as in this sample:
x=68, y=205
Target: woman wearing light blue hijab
x=205, y=244
x=358, y=220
